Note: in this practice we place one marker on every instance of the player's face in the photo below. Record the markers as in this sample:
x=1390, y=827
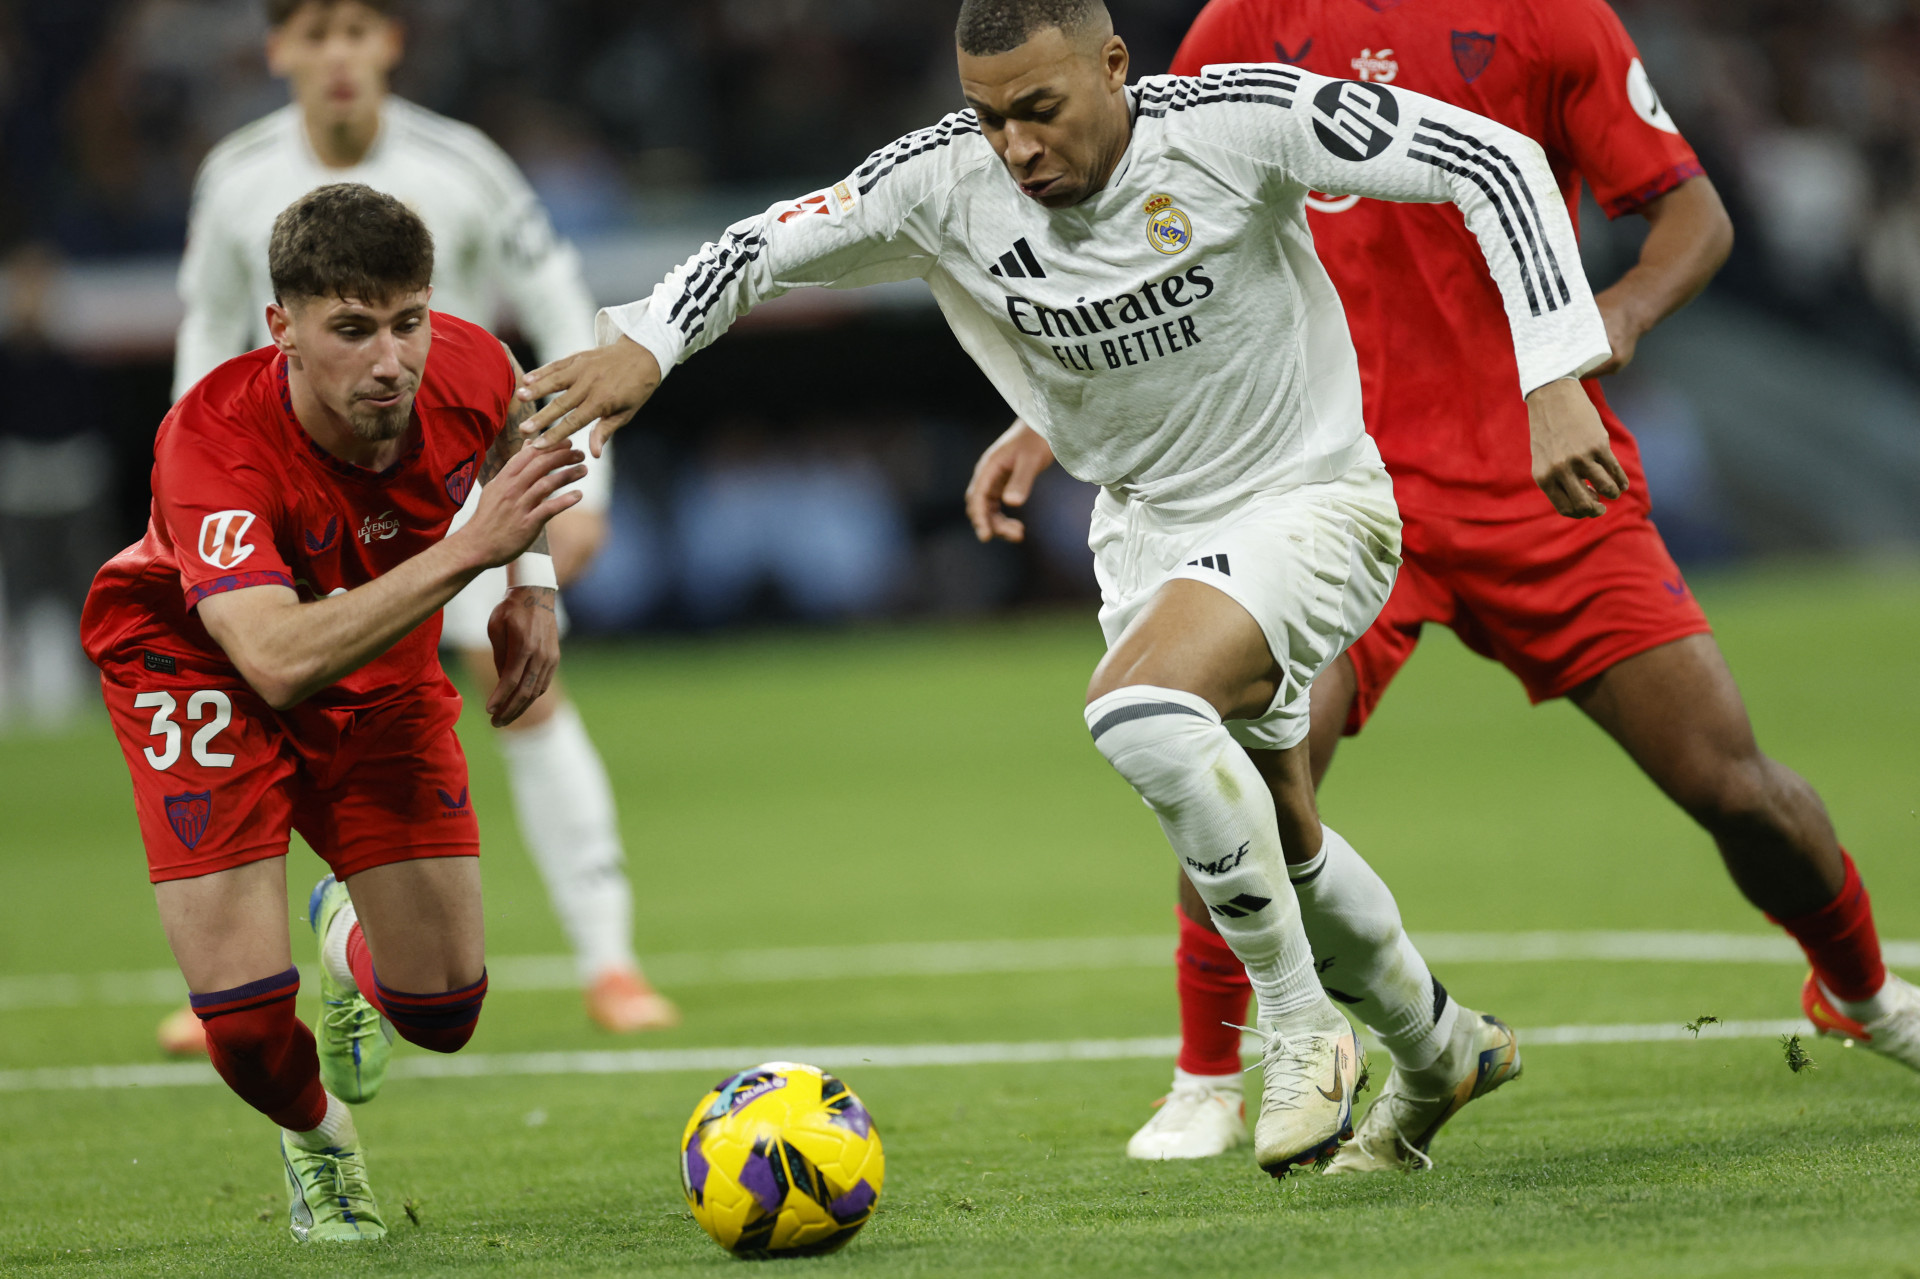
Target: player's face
x=362, y=361
x=336, y=58
x=1055, y=110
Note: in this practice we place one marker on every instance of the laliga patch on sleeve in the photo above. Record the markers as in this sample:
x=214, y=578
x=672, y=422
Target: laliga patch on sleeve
x=1646, y=103
x=222, y=537
x=832, y=203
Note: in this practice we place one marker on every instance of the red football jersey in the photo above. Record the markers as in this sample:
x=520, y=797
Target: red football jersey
x=242, y=496
x=1436, y=355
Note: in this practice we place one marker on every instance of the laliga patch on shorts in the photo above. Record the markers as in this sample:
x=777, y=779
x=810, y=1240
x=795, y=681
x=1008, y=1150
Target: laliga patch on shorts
x=189, y=814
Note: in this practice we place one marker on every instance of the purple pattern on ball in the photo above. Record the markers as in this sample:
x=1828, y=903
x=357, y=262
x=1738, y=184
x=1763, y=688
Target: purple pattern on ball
x=697, y=1169
x=855, y=1119
x=757, y=1176
x=854, y=1204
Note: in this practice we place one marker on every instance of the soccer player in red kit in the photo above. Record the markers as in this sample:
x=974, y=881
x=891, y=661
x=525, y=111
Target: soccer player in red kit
x=268, y=657
x=1591, y=608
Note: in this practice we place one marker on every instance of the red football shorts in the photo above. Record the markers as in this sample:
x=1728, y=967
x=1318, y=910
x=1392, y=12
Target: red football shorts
x=218, y=782
x=1556, y=601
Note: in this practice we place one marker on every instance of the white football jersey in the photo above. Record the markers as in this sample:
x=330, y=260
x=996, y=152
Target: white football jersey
x=1174, y=338
x=493, y=243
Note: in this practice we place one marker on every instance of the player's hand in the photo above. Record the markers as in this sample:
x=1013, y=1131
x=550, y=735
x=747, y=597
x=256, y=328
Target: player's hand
x=517, y=503
x=1004, y=477
x=1624, y=332
x=605, y=387
x=525, y=633
x=1572, y=462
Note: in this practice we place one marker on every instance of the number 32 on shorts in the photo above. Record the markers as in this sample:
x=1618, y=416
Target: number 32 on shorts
x=199, y=704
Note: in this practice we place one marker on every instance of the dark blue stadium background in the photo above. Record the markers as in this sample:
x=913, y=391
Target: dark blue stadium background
x=638, y=121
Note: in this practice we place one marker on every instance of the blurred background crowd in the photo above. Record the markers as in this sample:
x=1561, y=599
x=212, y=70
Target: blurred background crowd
x=812, y=468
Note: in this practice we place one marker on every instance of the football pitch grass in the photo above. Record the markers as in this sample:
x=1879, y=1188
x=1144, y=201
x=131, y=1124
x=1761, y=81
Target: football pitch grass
x=906, y=787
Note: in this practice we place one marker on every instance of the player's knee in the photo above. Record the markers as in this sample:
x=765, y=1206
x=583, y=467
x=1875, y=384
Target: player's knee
x=253, y=1023
x=1733, y=797
x=1161, y=740
x=441, y=1023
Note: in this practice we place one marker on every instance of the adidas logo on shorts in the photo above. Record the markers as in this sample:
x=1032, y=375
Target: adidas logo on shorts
x=1218, y=563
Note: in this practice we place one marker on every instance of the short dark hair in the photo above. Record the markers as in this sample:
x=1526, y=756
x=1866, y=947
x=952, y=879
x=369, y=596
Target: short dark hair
x=987, y=27
x=348, y=241
x=280, y=12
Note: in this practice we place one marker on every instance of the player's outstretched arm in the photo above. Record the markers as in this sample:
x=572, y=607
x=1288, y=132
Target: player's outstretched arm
x=288, y=651
x=605, y=386
x=881, y=224
x=1004, y=477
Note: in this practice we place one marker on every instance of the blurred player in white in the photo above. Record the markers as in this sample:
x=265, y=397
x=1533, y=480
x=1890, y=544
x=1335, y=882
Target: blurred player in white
x=495, y=245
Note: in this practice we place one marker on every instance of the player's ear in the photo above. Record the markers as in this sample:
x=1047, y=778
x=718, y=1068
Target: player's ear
x=280, y=328
x=1115, y=61
x=394, y=41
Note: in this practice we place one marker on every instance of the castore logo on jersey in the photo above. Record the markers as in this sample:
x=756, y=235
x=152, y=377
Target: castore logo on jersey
x=321, y=544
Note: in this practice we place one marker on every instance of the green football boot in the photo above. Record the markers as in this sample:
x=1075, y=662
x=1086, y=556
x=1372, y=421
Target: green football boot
x=328, y=1196
x=355, y=1040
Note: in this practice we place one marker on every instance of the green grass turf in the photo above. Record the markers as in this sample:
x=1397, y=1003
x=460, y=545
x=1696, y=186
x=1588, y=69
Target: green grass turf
x=936, y=783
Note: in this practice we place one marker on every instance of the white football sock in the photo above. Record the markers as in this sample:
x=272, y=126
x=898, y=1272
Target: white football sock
x=336, y=1131
x=1870, y=1009
x=564, y=804
x=1220, y=1083
x=1366, y=960
x=1217, y=813
x=333, y=946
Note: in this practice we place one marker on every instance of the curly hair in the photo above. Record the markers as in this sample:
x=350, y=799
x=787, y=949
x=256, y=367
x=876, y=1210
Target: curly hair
x=348, y=241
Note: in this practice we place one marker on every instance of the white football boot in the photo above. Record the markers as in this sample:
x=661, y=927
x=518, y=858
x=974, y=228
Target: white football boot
x=1481, y=1054
x=1202, y=1117
x=1311, y=1066
x=1894, y=1034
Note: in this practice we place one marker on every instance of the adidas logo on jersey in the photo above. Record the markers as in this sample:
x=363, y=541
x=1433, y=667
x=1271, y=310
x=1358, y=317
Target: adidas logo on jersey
x=1218, y=563
x=1018, y=263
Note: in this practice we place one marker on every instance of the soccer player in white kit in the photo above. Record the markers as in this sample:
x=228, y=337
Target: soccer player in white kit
x=1132, y=269
x=494, y=243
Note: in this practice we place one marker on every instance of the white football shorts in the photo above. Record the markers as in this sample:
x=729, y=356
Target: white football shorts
x=464, y=623
x=1312, y=564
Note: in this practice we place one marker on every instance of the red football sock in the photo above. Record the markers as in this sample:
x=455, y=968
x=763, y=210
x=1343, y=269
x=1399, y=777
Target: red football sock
x=1213, y=1000
x=264, y=1052
x=441, y=1022
x=1841, y=942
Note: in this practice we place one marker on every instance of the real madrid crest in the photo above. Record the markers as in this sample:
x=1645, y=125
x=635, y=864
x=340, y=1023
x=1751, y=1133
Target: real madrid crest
x=1168, y=230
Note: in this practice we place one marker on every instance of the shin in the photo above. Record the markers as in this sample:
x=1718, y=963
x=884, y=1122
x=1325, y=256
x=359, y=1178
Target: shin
x=1214, y=807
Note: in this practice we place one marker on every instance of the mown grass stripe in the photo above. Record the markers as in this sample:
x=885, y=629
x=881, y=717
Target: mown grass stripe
x=840, y=1057
x=978, y=958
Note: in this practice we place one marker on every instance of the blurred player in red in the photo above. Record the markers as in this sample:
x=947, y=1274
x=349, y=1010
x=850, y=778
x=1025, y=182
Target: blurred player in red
x=268, y=656
x=1592, y=609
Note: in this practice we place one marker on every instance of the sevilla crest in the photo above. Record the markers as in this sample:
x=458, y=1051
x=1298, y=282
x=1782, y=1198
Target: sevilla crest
x=1472, y=51
x=460, y=479
x=189, y=814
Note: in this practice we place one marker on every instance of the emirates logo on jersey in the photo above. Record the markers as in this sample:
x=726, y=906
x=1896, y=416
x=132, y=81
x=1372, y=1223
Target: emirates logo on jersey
x=223, y=541
x=1375, y=68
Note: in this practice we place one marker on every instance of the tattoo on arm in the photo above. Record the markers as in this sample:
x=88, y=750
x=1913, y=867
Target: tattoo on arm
x=507, y=443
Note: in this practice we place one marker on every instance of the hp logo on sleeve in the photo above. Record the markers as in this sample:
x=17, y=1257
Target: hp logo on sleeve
x=1354, y=120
